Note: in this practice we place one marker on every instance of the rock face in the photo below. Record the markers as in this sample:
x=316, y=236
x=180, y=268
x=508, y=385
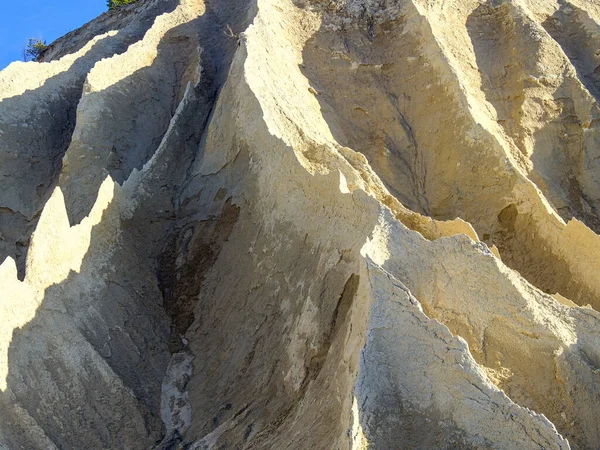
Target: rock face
x=304, y=224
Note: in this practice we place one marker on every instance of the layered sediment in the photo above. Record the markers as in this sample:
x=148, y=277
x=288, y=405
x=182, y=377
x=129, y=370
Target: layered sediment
x=304, y=224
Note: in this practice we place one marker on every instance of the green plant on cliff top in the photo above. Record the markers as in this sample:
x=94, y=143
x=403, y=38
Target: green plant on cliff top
x=112, y=4
x=34, y=49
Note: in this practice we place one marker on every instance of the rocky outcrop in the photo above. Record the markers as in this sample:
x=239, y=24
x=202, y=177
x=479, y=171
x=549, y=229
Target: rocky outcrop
x=276, y=224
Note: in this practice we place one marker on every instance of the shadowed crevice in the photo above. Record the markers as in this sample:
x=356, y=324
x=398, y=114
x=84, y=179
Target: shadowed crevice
x=37, y=127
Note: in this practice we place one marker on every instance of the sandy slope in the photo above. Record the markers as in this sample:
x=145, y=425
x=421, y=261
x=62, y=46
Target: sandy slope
x=309, y=224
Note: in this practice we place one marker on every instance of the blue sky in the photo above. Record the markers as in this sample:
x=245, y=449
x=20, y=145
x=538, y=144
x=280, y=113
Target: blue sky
x=44, y=19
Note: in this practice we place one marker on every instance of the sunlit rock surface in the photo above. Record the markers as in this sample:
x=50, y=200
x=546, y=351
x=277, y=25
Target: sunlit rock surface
x=275, y=224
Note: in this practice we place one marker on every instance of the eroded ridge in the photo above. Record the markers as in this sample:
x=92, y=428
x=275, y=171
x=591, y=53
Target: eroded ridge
x=304, y=224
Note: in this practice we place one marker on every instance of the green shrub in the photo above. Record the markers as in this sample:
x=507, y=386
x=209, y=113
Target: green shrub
x=35, y=47
x=112, y=4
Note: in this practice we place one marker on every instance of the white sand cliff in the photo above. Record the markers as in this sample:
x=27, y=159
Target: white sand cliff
x=304, y=224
